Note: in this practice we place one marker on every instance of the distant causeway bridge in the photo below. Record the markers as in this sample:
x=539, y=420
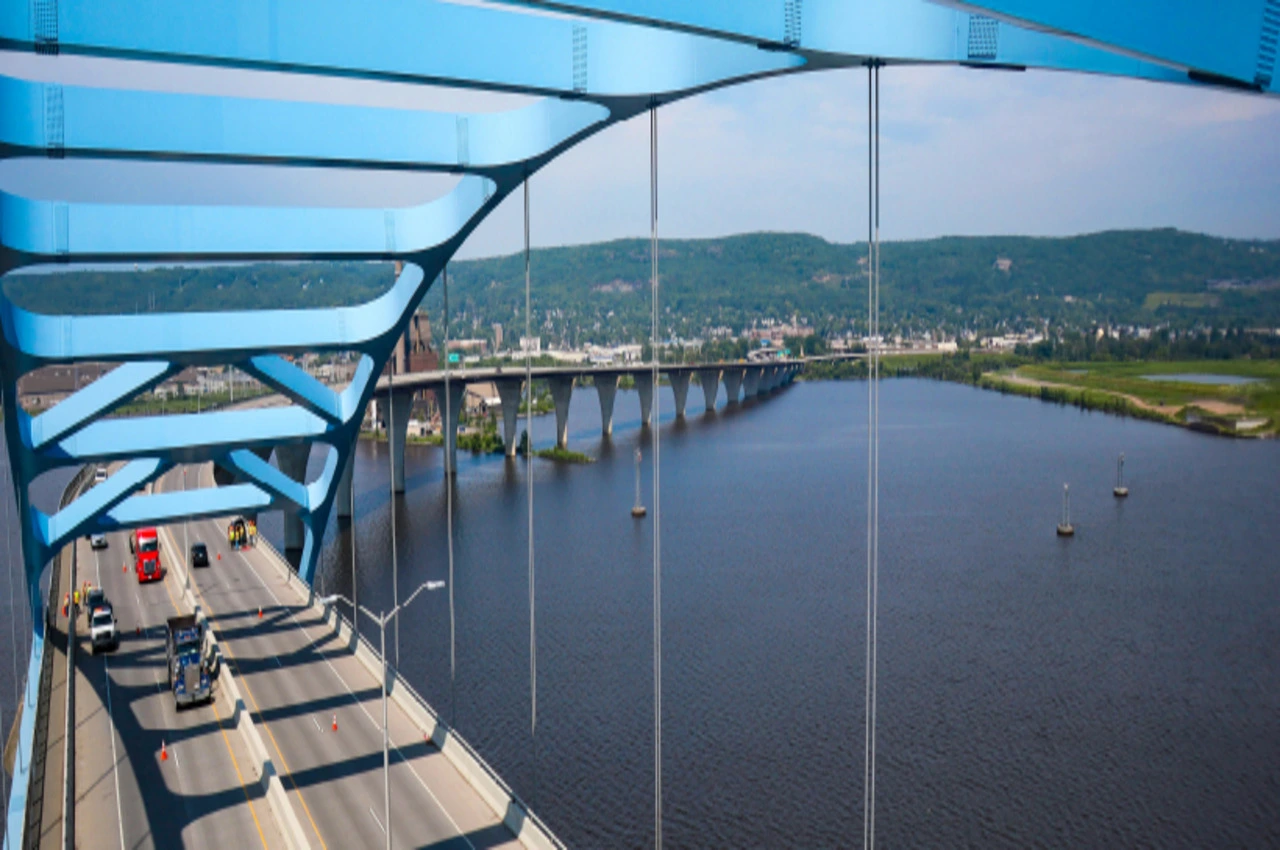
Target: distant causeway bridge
x=742, y=380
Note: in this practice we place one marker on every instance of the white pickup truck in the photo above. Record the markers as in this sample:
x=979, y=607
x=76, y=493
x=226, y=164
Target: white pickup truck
x=102, y=629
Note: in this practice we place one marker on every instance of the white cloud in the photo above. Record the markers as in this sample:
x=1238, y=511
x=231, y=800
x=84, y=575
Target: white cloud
x=963, y=152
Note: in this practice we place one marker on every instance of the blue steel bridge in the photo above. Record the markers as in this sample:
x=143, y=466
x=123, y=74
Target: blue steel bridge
x=586, y=65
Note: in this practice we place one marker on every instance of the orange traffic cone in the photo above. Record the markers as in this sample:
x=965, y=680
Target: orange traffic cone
x=335, y=723
x=219, y=556
x=164, y=754
x=124, y=568
x=259, y=612
x=137, y=630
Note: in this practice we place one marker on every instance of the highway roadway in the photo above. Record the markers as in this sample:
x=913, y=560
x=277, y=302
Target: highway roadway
x=206, y=794
x=297, y=679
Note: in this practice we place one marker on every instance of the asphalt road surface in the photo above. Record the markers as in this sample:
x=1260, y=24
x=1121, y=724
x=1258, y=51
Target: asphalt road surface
x=206, y=793
x=297, y=679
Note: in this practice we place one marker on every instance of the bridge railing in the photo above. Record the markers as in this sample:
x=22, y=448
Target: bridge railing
x=469, y=762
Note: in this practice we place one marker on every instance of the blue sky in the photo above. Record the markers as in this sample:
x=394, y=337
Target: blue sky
x=963, y=152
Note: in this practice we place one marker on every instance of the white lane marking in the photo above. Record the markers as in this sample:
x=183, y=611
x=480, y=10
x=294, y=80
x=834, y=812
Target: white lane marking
x=359, y=703
x=317, y=722
x=375, y=820
x=276, y=658
x=115, y=759
x=174, y=750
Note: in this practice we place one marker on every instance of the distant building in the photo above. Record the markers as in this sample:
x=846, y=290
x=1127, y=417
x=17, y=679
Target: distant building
x=497, y=336
x=531, y=344
x=48, y=385
x=469, y=346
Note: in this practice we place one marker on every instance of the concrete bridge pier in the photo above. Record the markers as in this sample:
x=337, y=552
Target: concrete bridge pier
x=644, y=385
x=509, y=392
x=456, y=395
x=607, y=390
x=292, y=460
x=751, y=381
x=768, y=380
x=733, y=383
x=561, y=393
x=398, y=412
x=343, y=498
x=710, y=381
x=680, y=389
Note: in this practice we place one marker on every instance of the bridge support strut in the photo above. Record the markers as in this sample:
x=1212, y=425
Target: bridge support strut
x=710, y=381
x=607, y=390
x=644, y=386
x=509, y=392
x=680, y=389
x=561, y=393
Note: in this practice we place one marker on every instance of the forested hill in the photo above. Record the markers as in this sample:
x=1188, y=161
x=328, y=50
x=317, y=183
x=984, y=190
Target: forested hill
x=599, y=293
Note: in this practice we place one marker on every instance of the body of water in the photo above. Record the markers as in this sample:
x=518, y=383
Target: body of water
x=1121, y=688
x=1203, y=378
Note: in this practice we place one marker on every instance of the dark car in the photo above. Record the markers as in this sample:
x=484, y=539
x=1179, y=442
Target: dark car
x=199, y=555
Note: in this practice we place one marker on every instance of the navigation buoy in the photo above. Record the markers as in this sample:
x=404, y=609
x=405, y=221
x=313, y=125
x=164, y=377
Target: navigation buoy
x=638, y=510
x=1065, y=528
x=335, y=723
x=1120, y=490
x=164, y=753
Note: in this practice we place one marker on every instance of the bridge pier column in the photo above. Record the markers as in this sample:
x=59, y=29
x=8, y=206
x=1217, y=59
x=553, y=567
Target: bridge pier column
x=770, y=380
x=644, y=386
x=607, y=390
x=710, y=381
x=343, y=499
x=509, y=392
x=561, y=393
x=292, y=460
x=449, y=425
x=733, y=383
x=399, y=408
x=751, y=381
x=680, y=389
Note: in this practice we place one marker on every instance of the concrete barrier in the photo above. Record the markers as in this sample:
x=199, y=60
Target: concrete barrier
x=272, y=787
x=516, y=816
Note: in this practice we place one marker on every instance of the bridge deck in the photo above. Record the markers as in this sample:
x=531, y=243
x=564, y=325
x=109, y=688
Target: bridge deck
x=206, y=794
x=296, y=676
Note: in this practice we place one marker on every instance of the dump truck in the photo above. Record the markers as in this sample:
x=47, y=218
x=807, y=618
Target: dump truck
x=186, y=661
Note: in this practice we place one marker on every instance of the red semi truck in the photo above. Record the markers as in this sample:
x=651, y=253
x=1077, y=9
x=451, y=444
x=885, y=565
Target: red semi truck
x=144, y=543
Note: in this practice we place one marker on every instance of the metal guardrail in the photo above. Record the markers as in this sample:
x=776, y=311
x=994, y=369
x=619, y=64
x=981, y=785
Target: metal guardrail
x=32, y=829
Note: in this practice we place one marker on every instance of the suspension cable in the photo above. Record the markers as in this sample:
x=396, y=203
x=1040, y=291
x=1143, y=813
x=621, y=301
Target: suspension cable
x=657, y=489
x=873, y=450
x=528, y=457
x=448, y=483
x=391, y=462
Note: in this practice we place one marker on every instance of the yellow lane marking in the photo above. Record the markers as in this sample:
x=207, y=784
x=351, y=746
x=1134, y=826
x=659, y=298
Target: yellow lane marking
x=283, y=763
x=234, y=762
x=209, y=612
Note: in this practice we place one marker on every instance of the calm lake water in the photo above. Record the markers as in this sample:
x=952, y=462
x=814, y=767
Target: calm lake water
x=1203, y=378
x=1121, y=688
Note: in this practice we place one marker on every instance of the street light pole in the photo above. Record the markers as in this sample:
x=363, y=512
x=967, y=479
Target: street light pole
x=382, y=620
x=386, y=749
